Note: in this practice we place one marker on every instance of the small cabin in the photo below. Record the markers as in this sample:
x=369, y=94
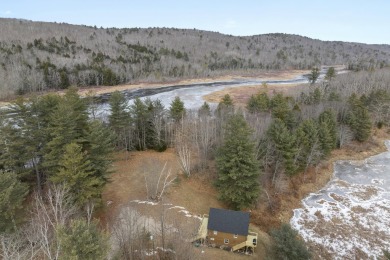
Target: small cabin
x=227, y=229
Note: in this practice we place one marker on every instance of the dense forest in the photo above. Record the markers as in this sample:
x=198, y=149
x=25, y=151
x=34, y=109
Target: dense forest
x=38, y=56
x=57, y=156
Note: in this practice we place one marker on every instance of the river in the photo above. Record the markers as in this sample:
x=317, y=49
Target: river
x=192, y=94
x=350, y=217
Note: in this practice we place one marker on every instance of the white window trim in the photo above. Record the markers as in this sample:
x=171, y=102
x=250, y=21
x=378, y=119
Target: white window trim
x=226, y=241
x=211, y=239
x=235, y=235
x=215, y=232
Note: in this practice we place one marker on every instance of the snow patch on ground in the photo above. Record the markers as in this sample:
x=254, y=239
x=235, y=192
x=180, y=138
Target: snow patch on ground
x=181, y=210
x=350, y=216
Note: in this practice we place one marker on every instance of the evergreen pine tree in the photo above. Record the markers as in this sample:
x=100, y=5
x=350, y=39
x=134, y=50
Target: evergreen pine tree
x=204, y=110
x=280, y=107
x=287, y=244
x=177, y=109
x=325, y=138
x=285, y=145
x=77, y=174
x=155, y=131
x=226, y=106
x=359, y=119
x=12, y=155
x=119, y=119
x=327, y=131
x=258, y=103
x=99, y=147
x=12, y=195
x=238, y=171
x=330, y=74
x=252, y=105
x=314, y=74
x=329, y=118
x=308, y=143
x=139, y=112
x=82, y=241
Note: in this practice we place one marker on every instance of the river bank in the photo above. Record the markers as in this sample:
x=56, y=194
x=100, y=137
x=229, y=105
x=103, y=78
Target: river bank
x=349, y=217
x=262, y=75
x=269, y=75
x=288, y=194
x=317, y=180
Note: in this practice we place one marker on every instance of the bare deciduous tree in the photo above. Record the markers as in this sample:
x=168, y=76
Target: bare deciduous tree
x=157, y=179
x=183, y=144
x=50, y=212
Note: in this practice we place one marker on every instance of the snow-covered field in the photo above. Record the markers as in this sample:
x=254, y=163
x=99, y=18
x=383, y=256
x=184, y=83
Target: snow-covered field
x=350, y=217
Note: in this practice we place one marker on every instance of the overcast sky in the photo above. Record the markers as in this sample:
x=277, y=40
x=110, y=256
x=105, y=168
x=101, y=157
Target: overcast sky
x=366, y=21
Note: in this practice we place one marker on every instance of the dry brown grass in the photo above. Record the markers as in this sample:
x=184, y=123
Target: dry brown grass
x=240, y=95
x=196, y=194
x=285, y=202
x=98, y=90
x=264, y=75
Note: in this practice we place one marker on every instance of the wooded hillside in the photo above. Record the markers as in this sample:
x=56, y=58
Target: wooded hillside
x=37, y=56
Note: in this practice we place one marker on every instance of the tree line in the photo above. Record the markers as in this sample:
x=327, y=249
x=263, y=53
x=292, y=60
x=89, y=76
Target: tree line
x=53, y=154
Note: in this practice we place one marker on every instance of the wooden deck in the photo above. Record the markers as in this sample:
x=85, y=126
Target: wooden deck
x=202, y=231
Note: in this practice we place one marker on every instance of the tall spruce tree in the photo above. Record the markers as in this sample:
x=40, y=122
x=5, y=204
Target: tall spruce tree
x=327, y=131
x=139, y=112
x=99, y=147
x=12, y=195
x=358, y=119
x=314, y=75
x=280, y=108
x=258, y=103
x=225, y=106
x=82, y=241
x=287, y=244
x=155, y=131
x=238, y=170
x=119, y=119
x=177, y=109
x=284, y=143
x=68, y=123
x=204, y=110
x=330, y=73
x=77, y=174
x=308, y=143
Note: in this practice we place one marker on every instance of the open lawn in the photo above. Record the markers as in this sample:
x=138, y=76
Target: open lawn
x=187, y=199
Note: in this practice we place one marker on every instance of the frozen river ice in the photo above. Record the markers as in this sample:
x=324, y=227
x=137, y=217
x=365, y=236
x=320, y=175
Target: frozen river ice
x=192, y=94
x=350, y=217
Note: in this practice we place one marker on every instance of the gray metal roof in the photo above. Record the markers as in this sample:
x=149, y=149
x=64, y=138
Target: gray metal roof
x=228, y=221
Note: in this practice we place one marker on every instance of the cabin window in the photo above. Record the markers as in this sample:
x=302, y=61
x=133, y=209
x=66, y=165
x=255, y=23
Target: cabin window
x=226, y=241
x=235, y=235
x=215, y=232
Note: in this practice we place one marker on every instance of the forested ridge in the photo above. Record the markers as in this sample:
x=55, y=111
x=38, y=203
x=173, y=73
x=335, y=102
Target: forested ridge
x=38, y=56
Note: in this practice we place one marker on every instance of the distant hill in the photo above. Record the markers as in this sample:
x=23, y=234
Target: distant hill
x=37, y=56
